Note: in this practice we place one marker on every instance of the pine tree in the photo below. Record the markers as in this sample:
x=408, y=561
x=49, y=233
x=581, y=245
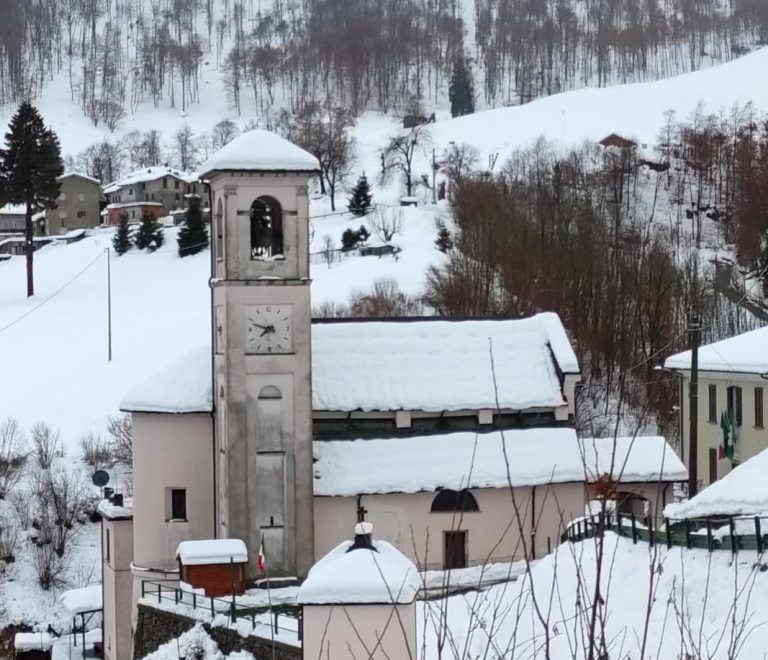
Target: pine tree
x=461, y=90
x=361, y=198
x=349, y=239
x=150, y=234
x=30, y=165
x=363, y=234
x=444, y=240
x=193, y=235
x=121, y=242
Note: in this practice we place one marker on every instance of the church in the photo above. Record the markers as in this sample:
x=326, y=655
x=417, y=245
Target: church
x=454, y=437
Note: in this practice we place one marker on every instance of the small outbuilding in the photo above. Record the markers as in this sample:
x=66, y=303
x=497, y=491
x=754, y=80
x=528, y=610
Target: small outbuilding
x=32, y=646
x=217, y=566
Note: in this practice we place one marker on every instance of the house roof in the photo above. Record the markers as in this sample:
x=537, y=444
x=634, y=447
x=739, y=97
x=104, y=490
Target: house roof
x=741, y=492
x=145, y=175
x=403, y=364
x=536, y=456
x=745, y=353
x=615, y=140
x=260, y=150
x=13, y=209
x=85, y=177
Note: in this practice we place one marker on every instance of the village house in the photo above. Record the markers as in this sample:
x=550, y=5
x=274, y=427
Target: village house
x=78, y=206
x=733, y=377
x=157, y=190
x=13, y=220
x=286, y=431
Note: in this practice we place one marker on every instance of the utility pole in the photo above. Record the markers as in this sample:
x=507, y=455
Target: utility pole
x=434, y=173
x=109, y=308
x=694, y=332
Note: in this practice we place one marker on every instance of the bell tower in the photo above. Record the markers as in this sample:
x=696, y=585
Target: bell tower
x=261, y=343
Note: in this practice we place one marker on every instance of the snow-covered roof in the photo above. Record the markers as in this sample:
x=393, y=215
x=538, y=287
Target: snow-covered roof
x=741, y=492
x=146, y=174
x=436, y=365
x=125, y=205
x=382, y=575
x=260, y=150
x=746, y=353
x=13, y=209
x=113, y=512
x=85, y=177
x=212, y=551
x=34, y=641
x=430, y=365
x=182, y=386
x=85, y=599
x=469, y=460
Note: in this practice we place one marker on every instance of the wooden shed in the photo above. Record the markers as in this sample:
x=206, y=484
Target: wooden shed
x=217, y=566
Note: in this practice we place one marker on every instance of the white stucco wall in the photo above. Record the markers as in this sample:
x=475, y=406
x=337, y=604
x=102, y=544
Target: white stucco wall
x=375, y=632
x=118, y=633
x=170, y=451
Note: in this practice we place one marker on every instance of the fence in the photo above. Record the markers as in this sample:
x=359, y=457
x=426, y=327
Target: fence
x=282, y=618
x=706, y=533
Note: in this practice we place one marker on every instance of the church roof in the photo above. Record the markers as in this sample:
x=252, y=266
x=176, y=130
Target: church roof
x=260, y=150
x=435, y=365
x=431, y=365
x=470, y=460
x=745, y=353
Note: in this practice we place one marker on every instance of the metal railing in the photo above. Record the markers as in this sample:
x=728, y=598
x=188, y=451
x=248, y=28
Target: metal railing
x=281, y=618
x=703, y=533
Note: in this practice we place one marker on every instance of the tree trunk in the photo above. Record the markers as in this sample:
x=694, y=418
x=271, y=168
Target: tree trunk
x=29, y=245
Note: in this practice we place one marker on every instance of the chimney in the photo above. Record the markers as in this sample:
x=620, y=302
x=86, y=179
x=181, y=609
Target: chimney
x=363, y=531
x=117, y=499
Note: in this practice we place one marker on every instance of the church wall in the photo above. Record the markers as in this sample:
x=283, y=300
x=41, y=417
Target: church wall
x=170, y=452
x=493, y=532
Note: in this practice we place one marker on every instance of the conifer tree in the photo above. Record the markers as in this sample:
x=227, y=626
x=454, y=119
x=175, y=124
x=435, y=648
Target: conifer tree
x=444, y=240
x=193, y=235
x=349, y=239
x=150, y=234
x=461, y=90
x=360, y=201
x=30, y=165
x=121, y=242
x=363, y=234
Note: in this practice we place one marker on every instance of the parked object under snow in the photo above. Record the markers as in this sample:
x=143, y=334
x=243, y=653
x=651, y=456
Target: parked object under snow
x=741, y=492
x=85, y=599
x=34, y=641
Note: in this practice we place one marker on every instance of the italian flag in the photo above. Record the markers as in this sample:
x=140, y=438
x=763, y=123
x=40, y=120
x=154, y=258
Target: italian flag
x=261, y=561
x=729, y=435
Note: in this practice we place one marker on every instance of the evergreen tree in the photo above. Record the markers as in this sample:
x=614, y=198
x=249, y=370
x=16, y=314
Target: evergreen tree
x=193, y=235
x=150, y=234
x=444, y=240
x=121, y=242
x=461, y=90
x=363, y=234
x=30, y=165
x=349, y=239
x=361, y=198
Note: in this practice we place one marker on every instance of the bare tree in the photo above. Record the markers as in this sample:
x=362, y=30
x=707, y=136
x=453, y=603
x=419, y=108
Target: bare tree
x=387, y=223
x=13, y=455
x=185, y=148
x=46, y=445
x=223, y=133
x=398, y=155
x=96, y=452
x=459, y=161
x=120, y=429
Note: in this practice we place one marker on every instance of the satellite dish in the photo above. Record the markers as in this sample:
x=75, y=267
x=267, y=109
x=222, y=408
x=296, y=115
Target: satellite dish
x=100, y=478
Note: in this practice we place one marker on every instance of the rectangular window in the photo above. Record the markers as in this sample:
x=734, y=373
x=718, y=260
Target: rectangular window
x=712, y=466
x=63, y=196
x=759, y=407
x=734, y=404
x=176, y=184
x=455, y=550
x=177, y=197
x=80, y=197
x=106, y=545
x=713, y=403
x=81, y=214
x=165, y=183
x=178, y=504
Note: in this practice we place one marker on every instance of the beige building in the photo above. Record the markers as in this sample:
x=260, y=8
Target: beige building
x=78, y=206
x=733, y=377
x=159, y=184
x=285, y=431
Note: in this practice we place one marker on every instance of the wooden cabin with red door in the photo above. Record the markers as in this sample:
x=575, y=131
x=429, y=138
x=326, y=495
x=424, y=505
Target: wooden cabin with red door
x=217, y=566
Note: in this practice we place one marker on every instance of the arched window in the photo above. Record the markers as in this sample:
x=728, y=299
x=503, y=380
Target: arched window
x=452, y=501
x=269, y=419
x=266, y=228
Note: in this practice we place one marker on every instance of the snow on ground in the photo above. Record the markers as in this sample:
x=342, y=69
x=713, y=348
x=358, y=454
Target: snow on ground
x=694, y=592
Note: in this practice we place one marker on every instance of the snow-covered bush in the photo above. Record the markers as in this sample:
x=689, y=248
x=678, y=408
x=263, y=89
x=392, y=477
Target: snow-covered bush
x=96, y=453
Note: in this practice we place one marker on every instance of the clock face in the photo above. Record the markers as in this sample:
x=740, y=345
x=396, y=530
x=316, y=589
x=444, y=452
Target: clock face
x=269, y=329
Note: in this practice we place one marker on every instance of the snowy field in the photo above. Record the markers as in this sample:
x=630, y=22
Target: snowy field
x=691, y=613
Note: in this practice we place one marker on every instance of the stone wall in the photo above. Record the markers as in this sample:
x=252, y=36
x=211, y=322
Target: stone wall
x=156, y=627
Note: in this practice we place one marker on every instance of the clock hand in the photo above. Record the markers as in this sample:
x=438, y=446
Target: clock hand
x=263, y=327
x=267, y=329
